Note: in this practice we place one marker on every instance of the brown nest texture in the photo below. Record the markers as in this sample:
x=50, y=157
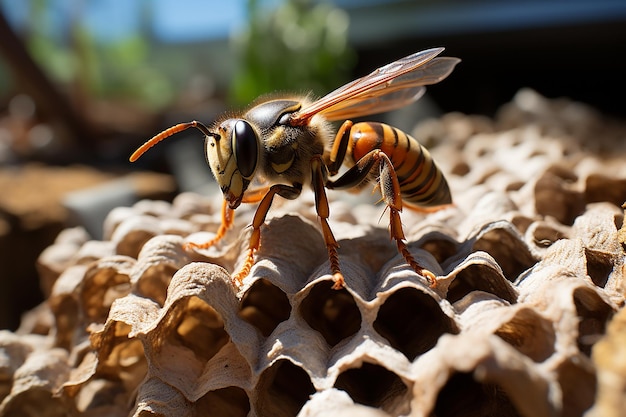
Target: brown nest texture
x=527, y=318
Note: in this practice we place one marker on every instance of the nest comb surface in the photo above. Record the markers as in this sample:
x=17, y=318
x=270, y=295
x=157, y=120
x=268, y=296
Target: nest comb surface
x=530, y=264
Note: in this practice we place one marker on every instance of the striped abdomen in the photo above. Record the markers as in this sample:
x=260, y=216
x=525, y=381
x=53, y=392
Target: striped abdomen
x=421, y=182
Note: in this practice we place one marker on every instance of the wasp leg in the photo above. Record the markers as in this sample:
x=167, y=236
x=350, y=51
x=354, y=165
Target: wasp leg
x=285, y=191
x=340, y=147
x=255, y=195
x=390, y=190
x=319, y=179
x=228, y=216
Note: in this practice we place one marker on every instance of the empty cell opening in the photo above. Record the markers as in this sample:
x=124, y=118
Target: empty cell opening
x=412, y=322
x=132, y=242
x=578, y=386
x=544, y=236
x=440, y=249
x=154, y=281
x=333, y=313
x=593, y=313
x=198, y=327
x=264, y=306
x=600, y=188
x=461, y=169
x=121, y=353
x=554, y=196
x=599, y=266
x=375, y=386
x=226, y=402
x=67, y=317
x=522, y=223
x=529, y=333
x=462, y=395
x=101, y=288
x=508, y=251
x=283, y=389
x=479, y=277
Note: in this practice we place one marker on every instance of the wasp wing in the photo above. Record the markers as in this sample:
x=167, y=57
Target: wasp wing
x=381, y=90
x=396, y=93
x=356, y=107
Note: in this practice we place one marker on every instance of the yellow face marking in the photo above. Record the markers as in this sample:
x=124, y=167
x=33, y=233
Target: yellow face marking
x=280, y=168
x=224, y=166
x=282, y=159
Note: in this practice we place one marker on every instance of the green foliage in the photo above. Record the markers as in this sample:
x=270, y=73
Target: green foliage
x=116, y=69
x=121, y=69
x=300, y=46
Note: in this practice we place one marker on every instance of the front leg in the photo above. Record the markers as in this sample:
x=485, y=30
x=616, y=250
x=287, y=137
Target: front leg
x=285, y=191
x=228, y=216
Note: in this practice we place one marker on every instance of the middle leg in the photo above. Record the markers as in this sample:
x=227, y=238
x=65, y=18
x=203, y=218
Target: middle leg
x=319, y=179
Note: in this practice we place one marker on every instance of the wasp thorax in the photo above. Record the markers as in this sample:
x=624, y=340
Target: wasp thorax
x=232, y=154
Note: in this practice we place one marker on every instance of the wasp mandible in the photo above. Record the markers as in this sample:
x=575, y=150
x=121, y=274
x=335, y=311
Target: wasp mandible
x=286, y=143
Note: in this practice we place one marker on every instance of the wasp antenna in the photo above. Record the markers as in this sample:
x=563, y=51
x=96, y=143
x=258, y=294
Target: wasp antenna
x=167, y=133
x=202, y=128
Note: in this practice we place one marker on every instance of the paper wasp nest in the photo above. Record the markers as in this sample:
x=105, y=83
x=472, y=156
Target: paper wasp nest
x=531, y=267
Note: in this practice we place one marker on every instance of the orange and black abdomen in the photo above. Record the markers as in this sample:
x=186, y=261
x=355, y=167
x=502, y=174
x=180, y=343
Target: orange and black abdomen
x=421, y=182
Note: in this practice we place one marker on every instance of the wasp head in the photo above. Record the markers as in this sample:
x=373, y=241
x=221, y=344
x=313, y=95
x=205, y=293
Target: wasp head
x=233, y=155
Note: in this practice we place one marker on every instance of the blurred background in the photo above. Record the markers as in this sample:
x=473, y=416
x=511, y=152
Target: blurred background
x=84, y=82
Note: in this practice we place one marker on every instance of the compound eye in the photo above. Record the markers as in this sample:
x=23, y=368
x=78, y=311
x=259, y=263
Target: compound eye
x=245, y=145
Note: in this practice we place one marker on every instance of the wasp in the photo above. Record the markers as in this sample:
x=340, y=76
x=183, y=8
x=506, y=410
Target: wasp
x=283, y=144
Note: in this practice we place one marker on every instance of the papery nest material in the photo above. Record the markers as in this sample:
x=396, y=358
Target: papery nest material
x=531, y=267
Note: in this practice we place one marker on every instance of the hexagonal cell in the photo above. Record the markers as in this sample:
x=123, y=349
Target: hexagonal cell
x=132, y=233
x=578, y=383
x=154, y=280
x=593, y=313
x=544, y=234
x=265, y=306
x=226, y=402
x=375, y=386
x=440, y=246
x=600, y=187
x=480, y=272
x=521, y=222
x=529, y=333
x=283, y=389
x=463, y=395
x=599, y=266
x=508, y=249
x=104, y=281
x=194, y=324
x=157, y=263
x=412, y=321
x=333, y=313
x=120, y=355
x=555, y=197
x=67, y=316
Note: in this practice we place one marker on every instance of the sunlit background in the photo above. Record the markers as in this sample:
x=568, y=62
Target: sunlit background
x=84, y=82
